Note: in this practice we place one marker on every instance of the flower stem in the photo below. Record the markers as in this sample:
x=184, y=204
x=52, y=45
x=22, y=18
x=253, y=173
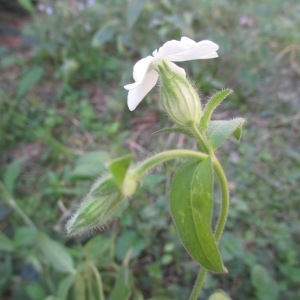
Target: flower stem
x=198, y=284
x=224, y=209
x=201, y=139
x=153, y=161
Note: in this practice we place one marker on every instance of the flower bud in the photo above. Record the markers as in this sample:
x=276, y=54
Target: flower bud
x=180, y=100
x=97, y=208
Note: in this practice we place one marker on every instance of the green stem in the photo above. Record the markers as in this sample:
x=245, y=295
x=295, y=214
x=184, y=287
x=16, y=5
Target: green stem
x=223, y=214
x=12, y=203
x=225, y=198
x=159, y=158
x=201, y=140
x=98, y=280
x=198, y=284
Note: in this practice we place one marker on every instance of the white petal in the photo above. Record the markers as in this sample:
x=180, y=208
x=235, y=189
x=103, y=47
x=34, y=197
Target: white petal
x=131, y=86
x=169, y=48
x=201, y=50
x=136, y=95
x=188, y=42
x=141, y=68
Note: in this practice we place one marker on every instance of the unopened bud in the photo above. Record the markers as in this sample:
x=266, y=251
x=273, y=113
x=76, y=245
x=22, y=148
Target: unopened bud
x=98, y=207
x=180, y=99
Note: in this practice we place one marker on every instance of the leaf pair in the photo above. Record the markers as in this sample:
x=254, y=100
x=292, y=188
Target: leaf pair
x=191, y=204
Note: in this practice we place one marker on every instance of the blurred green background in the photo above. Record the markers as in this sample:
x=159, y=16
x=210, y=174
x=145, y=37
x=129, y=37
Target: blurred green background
x=63, y=109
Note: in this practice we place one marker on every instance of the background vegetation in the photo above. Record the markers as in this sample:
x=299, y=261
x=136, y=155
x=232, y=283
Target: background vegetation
x=63, y=115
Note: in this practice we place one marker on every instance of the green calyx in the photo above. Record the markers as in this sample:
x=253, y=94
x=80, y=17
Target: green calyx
x=179, y=98
x=97, y=208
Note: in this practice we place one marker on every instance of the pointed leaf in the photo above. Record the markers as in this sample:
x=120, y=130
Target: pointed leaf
x=12, y=174
x=129, y=240
x=191, y=203
x=28, y=5
x=5, y=243
x=123, y=285
x=29, y=79
x=182, y=130
x=119, y=167
x=90, y=164
x=25, y=236
x=65, y=286
x=219, y=131
x=231, y=246
x=105, y=33
x=56, y=254
x=211, y=105
x=35, y=290
x=264, y=284
x=134, y=9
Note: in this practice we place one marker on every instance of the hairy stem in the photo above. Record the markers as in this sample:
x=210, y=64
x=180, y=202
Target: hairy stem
x=159, y=158
x=202, y=140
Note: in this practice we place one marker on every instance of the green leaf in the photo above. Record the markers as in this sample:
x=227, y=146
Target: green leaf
x=119, y=167
x=65, y=286
x=123, y=286
x=98, y=250
x=134, y=9
x=104, y=34
x=90, y=165
x=25, y=236
x=211, y=105
x=219, y=295
x=191, y=203
x=52, y=142
x=129, y=240
x=80, y=287
x=29, y=79
x=8, y=61
x=182, y=130
x=35, y=291
x=231, y=246
x=56, y=254
x=219, y=131
x=12, y=173
x=6, y=244
x=27, y=4
x=265, y=286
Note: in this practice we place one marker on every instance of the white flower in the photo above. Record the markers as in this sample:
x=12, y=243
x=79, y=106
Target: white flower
x=146, y=75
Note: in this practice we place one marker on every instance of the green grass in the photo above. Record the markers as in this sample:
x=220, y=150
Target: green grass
x=65, y=99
